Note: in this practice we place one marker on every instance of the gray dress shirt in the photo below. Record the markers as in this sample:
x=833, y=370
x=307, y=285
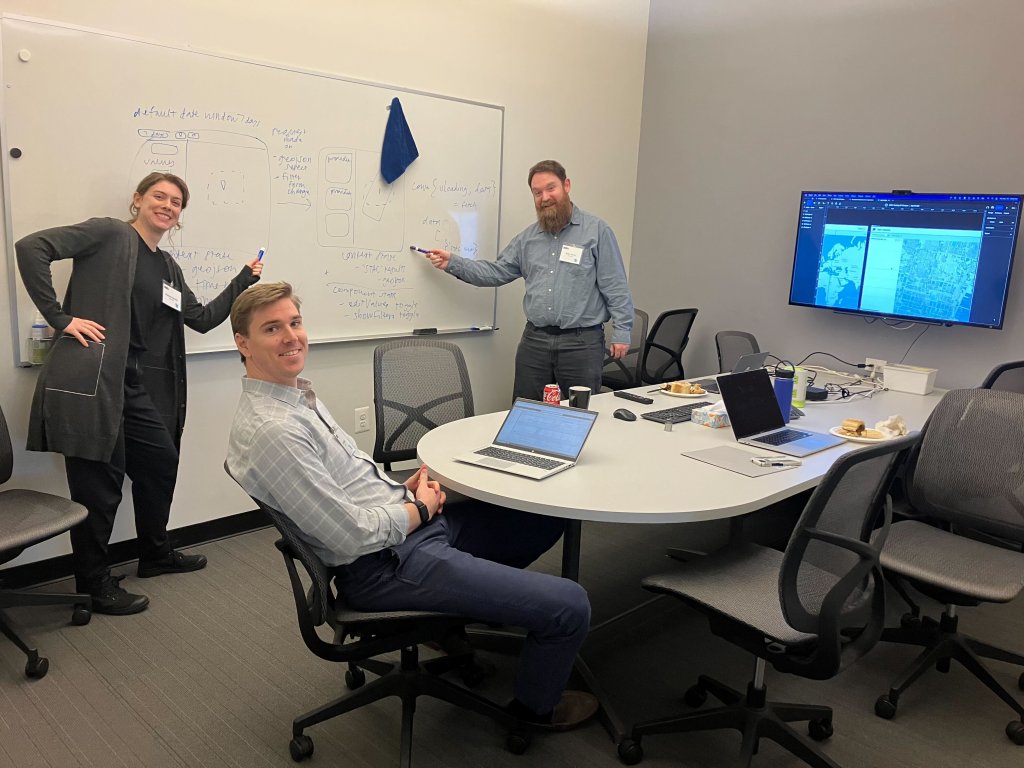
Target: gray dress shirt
x=559, y=292
x=288, y=451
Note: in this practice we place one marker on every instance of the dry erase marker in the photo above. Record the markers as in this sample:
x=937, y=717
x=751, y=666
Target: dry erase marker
x=421, y=250
x=259, y=256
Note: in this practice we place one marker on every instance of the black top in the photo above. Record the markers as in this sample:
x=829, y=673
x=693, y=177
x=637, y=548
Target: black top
x=152, y=320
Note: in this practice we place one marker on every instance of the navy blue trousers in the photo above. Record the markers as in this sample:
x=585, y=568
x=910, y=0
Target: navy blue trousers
x=469, y=561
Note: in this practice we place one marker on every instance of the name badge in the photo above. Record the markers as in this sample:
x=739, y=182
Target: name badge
x=571, y=254
x=172, y=297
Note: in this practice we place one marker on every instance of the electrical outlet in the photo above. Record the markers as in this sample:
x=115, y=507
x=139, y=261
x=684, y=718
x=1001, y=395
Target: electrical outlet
x=876, y=365
x=363, y=419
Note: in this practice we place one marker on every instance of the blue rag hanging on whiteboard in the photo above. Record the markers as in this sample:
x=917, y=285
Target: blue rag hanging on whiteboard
x=399, y=149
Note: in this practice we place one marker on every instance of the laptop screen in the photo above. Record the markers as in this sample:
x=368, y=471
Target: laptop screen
x=555, y=430
x=750, y=401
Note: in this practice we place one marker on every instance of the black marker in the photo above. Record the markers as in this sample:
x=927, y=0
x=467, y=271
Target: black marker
x=423, y=331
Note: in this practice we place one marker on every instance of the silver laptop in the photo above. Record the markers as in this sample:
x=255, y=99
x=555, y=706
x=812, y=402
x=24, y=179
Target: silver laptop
x=750, y=362
x=757, y=420
x=536, y=440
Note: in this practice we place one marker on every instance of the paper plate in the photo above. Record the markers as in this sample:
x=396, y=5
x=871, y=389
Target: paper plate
x=838, y=432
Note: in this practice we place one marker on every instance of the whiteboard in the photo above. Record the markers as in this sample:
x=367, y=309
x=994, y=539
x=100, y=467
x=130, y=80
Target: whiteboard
x=275, y=157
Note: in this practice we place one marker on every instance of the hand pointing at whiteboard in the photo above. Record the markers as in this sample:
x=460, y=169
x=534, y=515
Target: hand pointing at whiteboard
x=256, y=265
x=439, y=258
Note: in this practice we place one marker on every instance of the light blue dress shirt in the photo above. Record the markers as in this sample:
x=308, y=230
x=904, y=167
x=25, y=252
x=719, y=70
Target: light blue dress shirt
x=558, y=292
x=286, y=450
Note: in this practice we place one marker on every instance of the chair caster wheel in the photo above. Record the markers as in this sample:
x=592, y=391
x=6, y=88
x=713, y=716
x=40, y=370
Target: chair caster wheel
x=630, y=751
x=517, y=742
x=695, y=696
x=300, y=747
x=1015, y=732
x=37, y=667
x=910, y=621
x=885, y=707
x=355, y=678
x=820, y=730
x=81, y=616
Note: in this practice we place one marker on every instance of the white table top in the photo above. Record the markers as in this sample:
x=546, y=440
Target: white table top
x=633, y=472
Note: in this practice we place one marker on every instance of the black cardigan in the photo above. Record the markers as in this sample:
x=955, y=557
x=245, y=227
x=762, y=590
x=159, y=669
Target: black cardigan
x=76, y=409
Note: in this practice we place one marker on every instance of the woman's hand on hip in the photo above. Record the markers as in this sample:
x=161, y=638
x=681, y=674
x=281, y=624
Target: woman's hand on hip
x=85, y=330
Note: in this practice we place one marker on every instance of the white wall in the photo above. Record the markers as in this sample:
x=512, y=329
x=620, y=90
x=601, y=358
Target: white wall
x=746, y=103
x=570, y=75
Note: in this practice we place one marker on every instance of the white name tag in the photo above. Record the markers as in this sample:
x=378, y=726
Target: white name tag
x=571, y=254
x=172, y=297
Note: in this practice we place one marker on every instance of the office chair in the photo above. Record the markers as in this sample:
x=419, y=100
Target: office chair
x=360, y=637
x=809, y=611
x=418, y=384
x=625, y=372
x=27, y=518
x=1008, y=377
x=662, y=360
x=967, y=476
x=731, y=346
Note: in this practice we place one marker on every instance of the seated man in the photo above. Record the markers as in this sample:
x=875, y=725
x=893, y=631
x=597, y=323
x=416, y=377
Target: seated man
x=395, y=546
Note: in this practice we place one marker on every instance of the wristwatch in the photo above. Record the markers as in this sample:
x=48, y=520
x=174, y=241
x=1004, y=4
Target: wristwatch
x=424, y=512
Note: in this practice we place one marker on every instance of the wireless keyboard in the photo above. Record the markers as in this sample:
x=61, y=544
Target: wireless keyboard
x=675, y=415
x=634, y=398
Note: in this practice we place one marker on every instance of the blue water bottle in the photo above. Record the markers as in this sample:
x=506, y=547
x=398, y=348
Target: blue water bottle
x=784, y=388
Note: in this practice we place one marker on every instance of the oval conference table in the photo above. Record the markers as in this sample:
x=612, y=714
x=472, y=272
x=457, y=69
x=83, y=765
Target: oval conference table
x=634, y=471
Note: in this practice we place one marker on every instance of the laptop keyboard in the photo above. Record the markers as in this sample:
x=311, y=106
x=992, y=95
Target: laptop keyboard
x=677, y=414
x=782, y=437
x=520, y=458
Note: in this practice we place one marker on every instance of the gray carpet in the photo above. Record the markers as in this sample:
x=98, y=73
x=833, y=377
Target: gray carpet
x=213, y=673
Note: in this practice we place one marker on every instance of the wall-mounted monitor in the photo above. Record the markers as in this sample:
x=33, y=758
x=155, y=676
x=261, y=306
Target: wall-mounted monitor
x=919, y=257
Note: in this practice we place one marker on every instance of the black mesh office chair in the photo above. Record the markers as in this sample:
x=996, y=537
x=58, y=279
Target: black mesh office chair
x=968, y=477
x=662, y=359
x=731, y=346
x=1008, y=377
x=625, y=372
x=27, y=518
x=418, y=384
x=360, y=637
x=809, y=611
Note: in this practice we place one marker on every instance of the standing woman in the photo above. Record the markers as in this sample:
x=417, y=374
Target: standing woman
x=111, y=396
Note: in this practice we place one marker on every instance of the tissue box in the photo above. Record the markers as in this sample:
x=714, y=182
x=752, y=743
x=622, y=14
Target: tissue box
x=909, y=378
x=708, y=418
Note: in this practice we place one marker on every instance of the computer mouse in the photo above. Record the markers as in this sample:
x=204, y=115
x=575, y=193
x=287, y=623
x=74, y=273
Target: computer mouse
x=625, y=414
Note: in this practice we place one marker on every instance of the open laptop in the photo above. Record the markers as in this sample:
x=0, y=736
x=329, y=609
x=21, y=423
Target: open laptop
x=536, y=440
x=756, y=418
x=750, y=362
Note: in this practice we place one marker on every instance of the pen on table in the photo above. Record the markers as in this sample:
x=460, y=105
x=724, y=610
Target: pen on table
x=259, y=256
x=771, y=461
x=421, y=250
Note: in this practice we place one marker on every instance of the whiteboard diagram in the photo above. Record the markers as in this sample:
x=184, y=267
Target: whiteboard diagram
x=355, y=207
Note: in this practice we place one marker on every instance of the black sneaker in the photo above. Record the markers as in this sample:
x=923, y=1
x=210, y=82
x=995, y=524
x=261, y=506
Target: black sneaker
x=175, y=562
x=108, y=597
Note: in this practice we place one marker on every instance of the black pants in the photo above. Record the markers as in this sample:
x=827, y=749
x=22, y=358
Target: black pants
x=147, y=453
x=572, y=359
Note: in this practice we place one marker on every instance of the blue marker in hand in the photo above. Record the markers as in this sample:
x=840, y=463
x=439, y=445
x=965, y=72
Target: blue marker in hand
x=259, y=256
x=421, y=250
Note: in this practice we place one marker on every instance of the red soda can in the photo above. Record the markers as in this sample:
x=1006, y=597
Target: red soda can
x=552, y=394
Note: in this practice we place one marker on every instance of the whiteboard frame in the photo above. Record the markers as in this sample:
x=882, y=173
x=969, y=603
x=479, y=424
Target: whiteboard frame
x=20, y=347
